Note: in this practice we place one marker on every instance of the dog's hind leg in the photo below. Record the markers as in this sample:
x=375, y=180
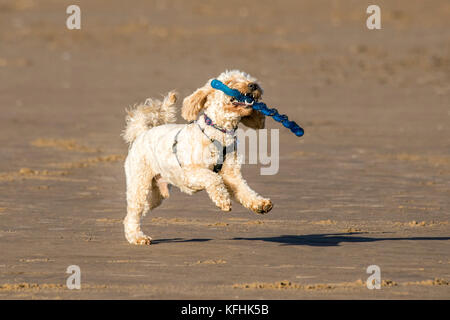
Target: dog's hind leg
x=160, y=190
x=139, y=197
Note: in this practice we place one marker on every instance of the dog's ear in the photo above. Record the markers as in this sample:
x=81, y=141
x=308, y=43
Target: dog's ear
x=255, y=120
x=194, y=103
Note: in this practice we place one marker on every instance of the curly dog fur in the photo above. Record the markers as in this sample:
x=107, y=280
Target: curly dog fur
x=152, y=167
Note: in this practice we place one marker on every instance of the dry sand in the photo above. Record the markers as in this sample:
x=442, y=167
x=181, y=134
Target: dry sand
x=368, y=184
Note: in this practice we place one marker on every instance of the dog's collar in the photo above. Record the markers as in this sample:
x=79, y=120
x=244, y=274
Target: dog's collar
x=209, y=122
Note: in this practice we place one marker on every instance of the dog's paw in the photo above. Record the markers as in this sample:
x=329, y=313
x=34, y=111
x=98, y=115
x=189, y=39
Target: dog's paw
x=141, y=240
x=223, y=201
x=262, y=206
x=226, y=207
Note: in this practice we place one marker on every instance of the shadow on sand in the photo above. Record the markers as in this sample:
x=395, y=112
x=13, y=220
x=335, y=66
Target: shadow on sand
x=331, y=239
x=157, y=241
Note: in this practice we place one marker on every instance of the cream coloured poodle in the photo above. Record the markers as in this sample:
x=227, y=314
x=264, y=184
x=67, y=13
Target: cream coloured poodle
x=197, y=156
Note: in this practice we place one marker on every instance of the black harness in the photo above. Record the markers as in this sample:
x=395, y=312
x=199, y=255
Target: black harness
x=223, y=150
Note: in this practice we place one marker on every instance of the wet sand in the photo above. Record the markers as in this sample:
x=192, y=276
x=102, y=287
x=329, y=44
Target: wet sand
x=368, y=184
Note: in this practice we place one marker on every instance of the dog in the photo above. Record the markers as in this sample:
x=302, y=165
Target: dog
x=200, y=155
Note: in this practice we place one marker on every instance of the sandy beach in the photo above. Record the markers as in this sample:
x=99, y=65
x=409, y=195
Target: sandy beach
x=368, y=184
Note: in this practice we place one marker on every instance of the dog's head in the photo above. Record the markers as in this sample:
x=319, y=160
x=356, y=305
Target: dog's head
x=225, y=110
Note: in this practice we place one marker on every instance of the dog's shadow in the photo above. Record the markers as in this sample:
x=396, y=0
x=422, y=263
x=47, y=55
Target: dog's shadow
x=331, y=239
x=171, y=240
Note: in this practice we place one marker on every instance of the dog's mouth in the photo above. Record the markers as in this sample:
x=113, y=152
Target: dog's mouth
x=237, y=103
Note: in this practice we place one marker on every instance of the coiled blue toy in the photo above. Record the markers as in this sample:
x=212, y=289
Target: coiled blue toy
x=259, y=106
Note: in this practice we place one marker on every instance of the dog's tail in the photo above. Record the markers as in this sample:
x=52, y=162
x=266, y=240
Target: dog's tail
x=150, y=114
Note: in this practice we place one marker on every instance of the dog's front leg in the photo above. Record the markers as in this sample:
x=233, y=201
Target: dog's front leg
x=204, y=179
x=240, y=190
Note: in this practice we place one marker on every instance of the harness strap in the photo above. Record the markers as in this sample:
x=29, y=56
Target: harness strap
x=174, y=146
x=223, y=150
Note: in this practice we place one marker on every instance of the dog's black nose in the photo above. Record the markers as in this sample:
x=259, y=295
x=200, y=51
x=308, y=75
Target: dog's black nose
x=253, y=86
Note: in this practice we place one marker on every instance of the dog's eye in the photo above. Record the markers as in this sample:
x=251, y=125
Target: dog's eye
x=232, y=99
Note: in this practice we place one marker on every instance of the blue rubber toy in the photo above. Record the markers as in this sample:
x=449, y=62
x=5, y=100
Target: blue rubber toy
x=259, y=106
